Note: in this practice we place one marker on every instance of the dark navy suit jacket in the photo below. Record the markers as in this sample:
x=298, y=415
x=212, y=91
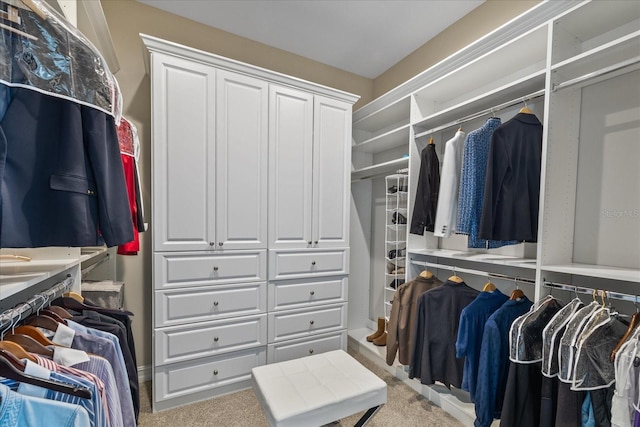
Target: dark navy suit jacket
x=61, y=176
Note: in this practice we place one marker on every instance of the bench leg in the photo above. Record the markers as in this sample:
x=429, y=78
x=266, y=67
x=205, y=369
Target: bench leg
x=364, y=420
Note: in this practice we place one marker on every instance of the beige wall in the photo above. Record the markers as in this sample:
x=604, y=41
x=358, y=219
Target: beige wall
x=127, y=18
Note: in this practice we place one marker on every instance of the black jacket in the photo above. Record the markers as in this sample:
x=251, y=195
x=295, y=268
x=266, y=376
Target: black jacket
x=424, y=209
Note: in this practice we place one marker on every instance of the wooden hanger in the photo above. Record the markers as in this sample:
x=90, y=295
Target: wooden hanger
x=633, y=324
x=42, y=321
x=76, y=296
x=426, y=274
x=455, y=278
x=29, y=344
x=517, y=294
x=53, y=315
x=525, y=109
x=16, y=349
x=34, y=333
x=8, y=369
x=431, y=140
x=489, y=287
x=64, y=314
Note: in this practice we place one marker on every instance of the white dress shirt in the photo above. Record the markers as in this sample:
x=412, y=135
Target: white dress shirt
x=447, y=210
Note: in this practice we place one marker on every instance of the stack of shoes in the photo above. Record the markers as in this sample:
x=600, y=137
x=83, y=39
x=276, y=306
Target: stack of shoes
x=379, y=337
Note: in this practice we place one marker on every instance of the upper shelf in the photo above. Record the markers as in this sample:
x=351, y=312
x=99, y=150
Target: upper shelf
x=397, y=112
x=506, y=260
x=395, y=138
x=379, y=169
x=601, y=271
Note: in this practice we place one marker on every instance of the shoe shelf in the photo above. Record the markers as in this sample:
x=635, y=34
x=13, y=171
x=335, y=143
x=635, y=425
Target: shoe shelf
x=395, y=236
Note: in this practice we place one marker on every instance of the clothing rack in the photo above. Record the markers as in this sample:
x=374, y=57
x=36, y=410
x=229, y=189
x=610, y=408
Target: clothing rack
x=474, y=272
x=590, y=291
x=33, y=304
x=484, y=112
x=604, y=71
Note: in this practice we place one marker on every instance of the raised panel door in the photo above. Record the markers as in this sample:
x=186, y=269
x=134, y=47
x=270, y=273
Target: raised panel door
x=183, y=154
x=241, y=162
x=331, y=172
x=290, y=168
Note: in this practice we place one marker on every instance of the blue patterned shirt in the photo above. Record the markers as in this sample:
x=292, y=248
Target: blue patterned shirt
x=471, y=190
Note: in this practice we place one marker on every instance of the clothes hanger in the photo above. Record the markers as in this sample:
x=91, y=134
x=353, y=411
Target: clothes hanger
x=64, y=314
x=525, y=109
x=53, y=315
x=16, y=349
x=455, y=278
x=431, y=140
x=517, y=293
x=426, y=274
x=34, y=333
x=30, y=345
x=42, y=321
x=76, y=296
x=489, y=287
x=8, y=369
x=11, y=359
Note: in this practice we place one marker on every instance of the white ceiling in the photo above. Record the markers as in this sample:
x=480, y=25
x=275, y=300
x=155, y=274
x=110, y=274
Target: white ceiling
x=365, y=37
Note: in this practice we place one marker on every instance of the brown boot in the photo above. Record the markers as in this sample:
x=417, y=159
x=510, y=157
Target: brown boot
x=380, y=331
x=381, y=340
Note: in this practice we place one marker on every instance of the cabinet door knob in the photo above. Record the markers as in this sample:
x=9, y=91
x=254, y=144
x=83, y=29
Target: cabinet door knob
x=313, y=263
x=215, y=372
x=309, y=242
x=215, y=303
x=311, y=322
x=312, y=293
x=212, y=243
x=310, y=351
x=215, y=339
x=315, y=243
x=220, y=243
x=215, y=268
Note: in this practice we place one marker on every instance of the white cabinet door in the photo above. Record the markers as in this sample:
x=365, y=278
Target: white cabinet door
x=183, y=153
x=331, y=176
x=241, y=162
x=290, y=168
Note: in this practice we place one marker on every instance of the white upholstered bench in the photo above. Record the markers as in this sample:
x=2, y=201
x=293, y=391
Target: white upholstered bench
x=317, y=390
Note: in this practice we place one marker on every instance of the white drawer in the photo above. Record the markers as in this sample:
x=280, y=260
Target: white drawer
x=287, y=294
x=295, y=349
x=189, y=377
x=207, y=339
x=178, y=306
x=181, y=270
x=309, y=263
x=285, y=325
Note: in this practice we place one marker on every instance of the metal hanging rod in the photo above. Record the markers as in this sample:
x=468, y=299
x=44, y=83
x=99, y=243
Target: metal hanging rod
x=474, y=272
x=590, y=291
x=484, y=112
x=34, y=304
x=598, y=73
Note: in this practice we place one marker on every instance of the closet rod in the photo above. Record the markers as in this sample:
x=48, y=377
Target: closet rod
x=598, y=73
x=474, y=272
x=86, y=271
x=484, y=112
x=33, y=304
x=590, y=291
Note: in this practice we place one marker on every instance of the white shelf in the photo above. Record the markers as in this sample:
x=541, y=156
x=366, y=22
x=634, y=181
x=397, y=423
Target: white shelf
x=397, y=112
x=379, y=169
x=16, y=277
x=484, y=258
x=394, y=138
x=601, y=271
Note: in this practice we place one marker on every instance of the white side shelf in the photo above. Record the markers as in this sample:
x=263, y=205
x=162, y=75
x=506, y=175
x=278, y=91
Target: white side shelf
x=497, y=259
x=379, y=169
x=603, y=272
x=388, y=140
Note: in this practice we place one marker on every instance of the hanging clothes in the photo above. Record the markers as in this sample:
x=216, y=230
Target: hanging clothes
x=493, y=364
x=470, y=332
x=471, y=189
x=447, y=210
x=402, y=319
x=433, y=356
x=512, y=185
x=426, y=201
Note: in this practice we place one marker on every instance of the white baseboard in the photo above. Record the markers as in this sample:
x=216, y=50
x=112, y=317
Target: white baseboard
x=144, y=374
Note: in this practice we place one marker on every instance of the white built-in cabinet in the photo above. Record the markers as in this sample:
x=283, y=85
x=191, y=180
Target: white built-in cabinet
x=250, y=220
x=577, y=66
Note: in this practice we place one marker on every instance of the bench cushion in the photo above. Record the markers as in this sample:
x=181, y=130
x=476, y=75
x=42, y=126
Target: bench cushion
x=316, y=390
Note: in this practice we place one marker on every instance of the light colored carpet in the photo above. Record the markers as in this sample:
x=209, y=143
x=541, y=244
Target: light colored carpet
x=404, y=407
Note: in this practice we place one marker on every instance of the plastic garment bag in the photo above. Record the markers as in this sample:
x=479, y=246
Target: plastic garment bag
x=626, y=392
x=569, y=339
x=54, y=58
x=551, y=336
x=528, y=348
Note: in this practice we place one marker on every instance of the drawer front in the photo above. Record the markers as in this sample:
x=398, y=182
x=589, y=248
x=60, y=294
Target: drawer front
x=295, y=349
x=207, y=339
x=179, y=306
x=292, y=324
x=292, y=265
x=287, y=294
x=184, y=378
x=181, y=270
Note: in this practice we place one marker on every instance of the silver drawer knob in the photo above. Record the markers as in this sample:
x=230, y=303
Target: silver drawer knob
x=215, y=372
x=310, y=351
x=313, y=263
x=215, y=339
x=220, y=243
x=315, y=243
x=215, y=268
x=311, y=322
x=312, y=293
x=309, y=242
x=212, y=243
x=215, y=303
